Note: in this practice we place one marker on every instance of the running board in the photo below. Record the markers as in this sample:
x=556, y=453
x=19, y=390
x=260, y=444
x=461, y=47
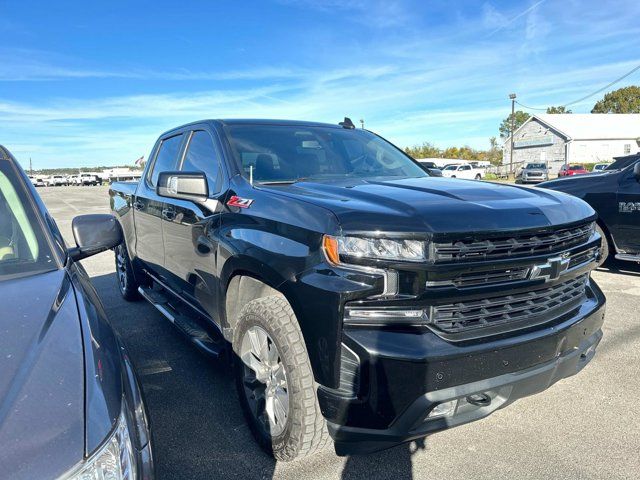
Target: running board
x=627, y=257
x=208, y=343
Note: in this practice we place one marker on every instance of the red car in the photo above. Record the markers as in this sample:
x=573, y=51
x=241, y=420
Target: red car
x=568, y=170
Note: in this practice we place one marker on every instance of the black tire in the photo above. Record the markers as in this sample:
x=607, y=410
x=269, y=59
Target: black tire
x=127, y=283
x=478, y=177
x=604, y=249
x=305, y=431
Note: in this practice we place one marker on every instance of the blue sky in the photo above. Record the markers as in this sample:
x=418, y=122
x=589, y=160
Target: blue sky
x=94, y=83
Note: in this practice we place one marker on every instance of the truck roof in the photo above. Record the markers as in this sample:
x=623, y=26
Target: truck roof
x=255, y=121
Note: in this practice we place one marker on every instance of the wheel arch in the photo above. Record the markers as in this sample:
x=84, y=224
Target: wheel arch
x=243, y=287
x=608, y=237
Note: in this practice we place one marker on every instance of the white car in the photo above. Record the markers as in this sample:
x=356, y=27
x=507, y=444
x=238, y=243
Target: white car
x=88, y=179
x=600, y=167
x=56, y=181
x=35, y=181
x=74, y=180
x=463, y=171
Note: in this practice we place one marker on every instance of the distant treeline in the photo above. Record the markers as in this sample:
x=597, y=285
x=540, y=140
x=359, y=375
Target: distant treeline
x=428, y=150
x=75, y=171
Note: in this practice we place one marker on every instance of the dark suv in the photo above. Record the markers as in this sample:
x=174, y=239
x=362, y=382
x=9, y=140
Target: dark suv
x=360, y=297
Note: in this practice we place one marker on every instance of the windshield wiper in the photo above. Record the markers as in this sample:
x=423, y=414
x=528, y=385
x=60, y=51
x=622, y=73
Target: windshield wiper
x=282, y=182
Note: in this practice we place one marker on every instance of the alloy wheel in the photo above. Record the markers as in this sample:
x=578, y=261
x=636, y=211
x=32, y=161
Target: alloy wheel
x=121, y=268
x=264, y=380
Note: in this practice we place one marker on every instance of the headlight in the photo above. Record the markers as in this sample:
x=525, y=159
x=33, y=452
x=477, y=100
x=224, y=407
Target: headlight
x=338, y=248
x=113, y=461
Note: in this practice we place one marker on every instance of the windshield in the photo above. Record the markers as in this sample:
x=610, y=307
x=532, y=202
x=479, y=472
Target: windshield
x=576, y=167
x=451, y=167
x=23, y=246
x=622, y=162
x=287, y=153
x=531, y=166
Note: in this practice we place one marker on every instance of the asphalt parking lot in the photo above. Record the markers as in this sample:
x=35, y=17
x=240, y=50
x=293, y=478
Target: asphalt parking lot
x=586, y=427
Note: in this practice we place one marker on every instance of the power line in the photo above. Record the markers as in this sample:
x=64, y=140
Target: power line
x=605, y=87
x=610, y=84
x=530, y=108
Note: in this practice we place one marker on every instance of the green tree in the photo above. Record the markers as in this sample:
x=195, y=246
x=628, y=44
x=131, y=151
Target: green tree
x=426, y=150
x=519, y=118
x=560, y=109
x=623, y=100
x=494, y=154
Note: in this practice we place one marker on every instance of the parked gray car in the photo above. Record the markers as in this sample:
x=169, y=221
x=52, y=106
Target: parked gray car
x=533, y=173
x=70, y=405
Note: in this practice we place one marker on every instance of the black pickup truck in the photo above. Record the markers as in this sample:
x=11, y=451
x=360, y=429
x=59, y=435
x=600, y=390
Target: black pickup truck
x=362, y=299
x=615, y=194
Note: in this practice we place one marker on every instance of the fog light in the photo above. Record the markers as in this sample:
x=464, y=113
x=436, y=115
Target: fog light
x=445, y=409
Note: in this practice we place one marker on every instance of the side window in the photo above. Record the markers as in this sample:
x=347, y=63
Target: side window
x=202, y=156
x=167, y=157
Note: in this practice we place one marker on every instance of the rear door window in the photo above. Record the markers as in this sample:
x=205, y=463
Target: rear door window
x=167, y=157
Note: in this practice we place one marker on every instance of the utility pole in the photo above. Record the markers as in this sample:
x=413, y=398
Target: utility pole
x=30, y=167
x=362, y=123
x=512, y=96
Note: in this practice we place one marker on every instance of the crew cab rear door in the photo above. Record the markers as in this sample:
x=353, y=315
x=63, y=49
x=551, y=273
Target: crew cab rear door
x=465, y=171
x=190, y=228
x=626, y=230
x=148, y=205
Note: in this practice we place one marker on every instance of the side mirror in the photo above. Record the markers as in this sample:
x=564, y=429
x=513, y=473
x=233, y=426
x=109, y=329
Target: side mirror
x=94, y=234
x=183, y=185
x=636, y=171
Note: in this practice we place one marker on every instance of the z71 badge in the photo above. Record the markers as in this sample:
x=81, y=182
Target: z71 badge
x=629, y=207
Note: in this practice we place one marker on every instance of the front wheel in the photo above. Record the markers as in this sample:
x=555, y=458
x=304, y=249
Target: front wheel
x=124, y=272
x=275, y=382
x=478, y=177
x=604, y=249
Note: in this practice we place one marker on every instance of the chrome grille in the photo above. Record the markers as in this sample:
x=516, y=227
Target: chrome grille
x=513, y=246
x=534, y=306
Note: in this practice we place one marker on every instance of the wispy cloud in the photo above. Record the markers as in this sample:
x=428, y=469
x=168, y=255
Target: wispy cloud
x=497, y=20
x=446, y=82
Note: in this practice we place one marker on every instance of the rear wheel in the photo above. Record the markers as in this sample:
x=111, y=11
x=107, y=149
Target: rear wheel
x=275, y=382
x=478, y=177
x=124, y=272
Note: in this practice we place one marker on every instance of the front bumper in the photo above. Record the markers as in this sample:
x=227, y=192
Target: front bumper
x=404, y=375
x=534, y=179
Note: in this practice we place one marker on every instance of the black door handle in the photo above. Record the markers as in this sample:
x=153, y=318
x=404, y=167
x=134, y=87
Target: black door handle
x=169, y=213
x=138, y=205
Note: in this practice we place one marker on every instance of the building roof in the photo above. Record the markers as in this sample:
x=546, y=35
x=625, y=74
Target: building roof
x=591, y=126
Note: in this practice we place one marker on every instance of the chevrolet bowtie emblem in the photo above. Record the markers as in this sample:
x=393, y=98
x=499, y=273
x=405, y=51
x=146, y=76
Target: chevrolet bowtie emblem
x=552, y=270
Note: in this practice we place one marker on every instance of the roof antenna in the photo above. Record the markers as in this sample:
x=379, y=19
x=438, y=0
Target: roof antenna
x=347, y=123
x=251, y=175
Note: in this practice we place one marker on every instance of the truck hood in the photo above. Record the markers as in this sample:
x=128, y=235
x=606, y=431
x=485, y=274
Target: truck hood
x=438, y=205
x=41, y=377
x=579, y=185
